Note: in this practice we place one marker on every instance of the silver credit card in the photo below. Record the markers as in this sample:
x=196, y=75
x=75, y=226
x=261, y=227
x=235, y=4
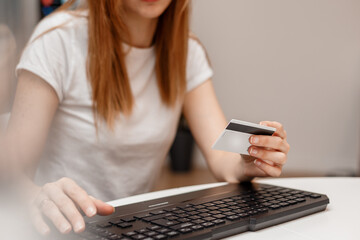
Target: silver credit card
x=235, y=137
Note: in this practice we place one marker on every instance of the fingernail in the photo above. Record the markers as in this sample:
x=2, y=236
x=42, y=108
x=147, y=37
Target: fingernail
x=257, y=162
x=65, y=228
x=90, y=211
x=253, y=151
x=78, y=227
x=254, y=139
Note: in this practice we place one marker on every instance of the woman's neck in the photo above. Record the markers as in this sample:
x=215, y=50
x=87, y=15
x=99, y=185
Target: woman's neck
x=141, y=30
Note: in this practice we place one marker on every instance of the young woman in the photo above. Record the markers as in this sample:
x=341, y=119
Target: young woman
x=99, y=96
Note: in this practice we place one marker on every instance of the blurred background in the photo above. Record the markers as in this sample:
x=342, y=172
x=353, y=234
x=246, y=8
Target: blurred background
x=293, y=61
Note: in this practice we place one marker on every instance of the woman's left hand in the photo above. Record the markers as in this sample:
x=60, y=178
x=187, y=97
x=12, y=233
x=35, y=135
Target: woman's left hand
x=268, y=153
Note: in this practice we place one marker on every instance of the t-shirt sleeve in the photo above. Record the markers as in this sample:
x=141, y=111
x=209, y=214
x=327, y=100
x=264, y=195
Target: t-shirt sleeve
x=45, y=56
x=198, y=66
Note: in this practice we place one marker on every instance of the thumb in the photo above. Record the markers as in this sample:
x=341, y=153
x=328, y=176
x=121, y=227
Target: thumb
x=103, y=209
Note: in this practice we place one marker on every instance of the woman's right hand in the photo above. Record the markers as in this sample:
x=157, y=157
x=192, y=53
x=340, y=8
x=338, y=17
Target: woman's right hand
x=61, y=202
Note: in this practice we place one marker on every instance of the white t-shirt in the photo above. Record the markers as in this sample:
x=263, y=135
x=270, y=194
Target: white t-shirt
x=116, y=163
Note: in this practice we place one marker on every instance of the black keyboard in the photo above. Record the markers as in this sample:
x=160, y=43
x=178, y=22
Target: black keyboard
x=207, y=214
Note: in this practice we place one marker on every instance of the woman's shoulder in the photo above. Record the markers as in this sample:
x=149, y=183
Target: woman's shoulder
x=196, y=49
x=194, y=42
x=60, y=22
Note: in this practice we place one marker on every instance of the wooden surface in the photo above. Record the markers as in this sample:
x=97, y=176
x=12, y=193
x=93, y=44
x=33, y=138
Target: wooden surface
x=169, y=179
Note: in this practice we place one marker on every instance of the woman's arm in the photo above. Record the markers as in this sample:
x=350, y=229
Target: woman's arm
x=34, y=108
x=33, y=111
x=206, y=121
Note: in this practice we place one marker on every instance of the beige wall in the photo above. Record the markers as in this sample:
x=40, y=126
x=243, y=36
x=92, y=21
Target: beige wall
x=294, y=61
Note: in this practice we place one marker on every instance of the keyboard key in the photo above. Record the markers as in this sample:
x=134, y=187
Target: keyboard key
x=157, y=212
x=233, y=217
x=193, y=213
x=242, y=215
x=129, y=234
x=274, y=206
x=185, y=230
x=209, y=204
x=222, y=206
x=300, y=200
x=213, y=208
x=198, y=221
x=228, y=213
x=151, y=233
x=204, y=214
x=164, y=222
x=172, y=233
x=143, y=216
x=124, y=225
x=208, y=224
x=194, y=217
x=231, y=204
x=307, y=194
x=115, y=222
x=209, y=219
x=153, y=217
x=181, y=225
x=252, y=212
x=179, y=211
x=204, y=210
x=104, y=225
x=163, y=230
x=183, y=220
x=315, y=195
x=284, y=204
x=113, y=237
x=262, y=210
x=199, y=206
x=225, y=209
x=172, y=218
x=219, y=221
x=153, y=228
x=138, y=236
x=160, y=236
x=197, y=227
x=220, y=216
x=189, y=209
x=183, y=215
x=142, y=231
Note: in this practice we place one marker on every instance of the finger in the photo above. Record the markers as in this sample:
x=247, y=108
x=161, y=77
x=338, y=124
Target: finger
x=272, y=142
x=280, y=131
x=79, y=196
x=103, y=209
x=276, y=157
x=39, y=222
x=67, y=207
x=273, y=171
x=51, y=211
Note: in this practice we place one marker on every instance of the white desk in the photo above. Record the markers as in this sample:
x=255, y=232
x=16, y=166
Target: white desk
x=341, y=220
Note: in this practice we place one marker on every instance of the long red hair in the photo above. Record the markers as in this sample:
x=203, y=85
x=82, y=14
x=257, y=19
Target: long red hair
x=106, y=57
